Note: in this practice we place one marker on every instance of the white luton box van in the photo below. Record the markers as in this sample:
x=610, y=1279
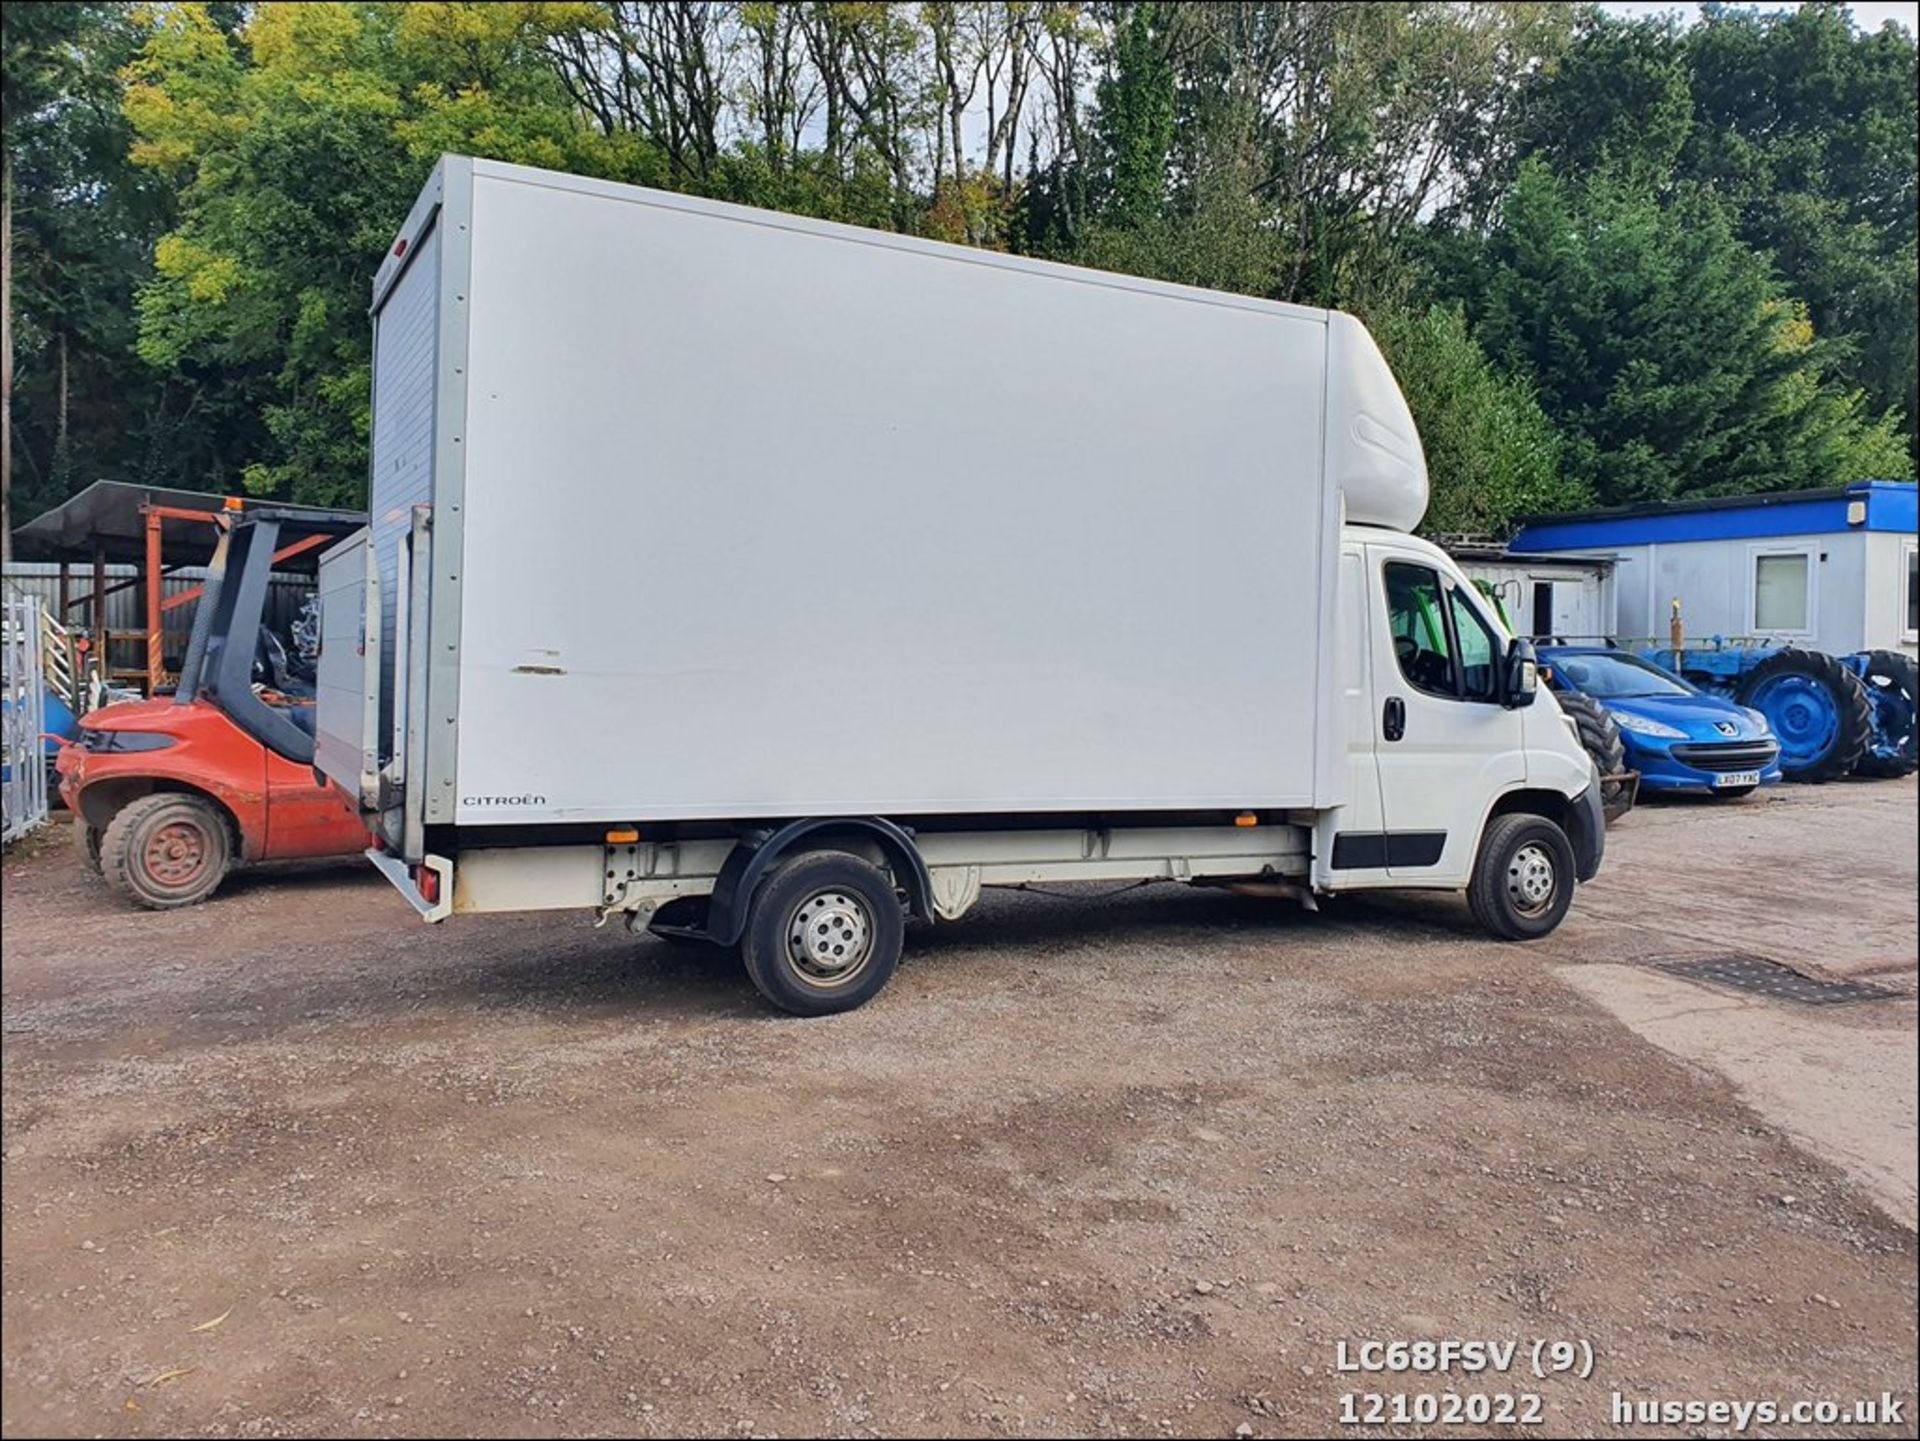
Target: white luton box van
x=767, y=581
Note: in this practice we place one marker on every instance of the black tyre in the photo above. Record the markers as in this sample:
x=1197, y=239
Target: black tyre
x=1523, y=878
x=166, y=850
x=824, y=933
x=1893, y=690
x=1818, y=711
x=1600, y=737
x=86, y=842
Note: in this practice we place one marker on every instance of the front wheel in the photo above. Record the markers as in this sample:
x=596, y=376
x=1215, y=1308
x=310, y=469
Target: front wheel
x=1523, y=878
x=823, y=934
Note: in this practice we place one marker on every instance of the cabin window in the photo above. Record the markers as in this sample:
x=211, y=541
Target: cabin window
x=1478, y=650
x=1419, y=628
x=1911, y=584
x=1782, y=592
x=1440, y=639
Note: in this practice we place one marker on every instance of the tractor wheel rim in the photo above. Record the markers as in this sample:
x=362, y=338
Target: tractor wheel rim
x=1802, y=714
x=1531, y=879
x=176, y=854
x=830, y=937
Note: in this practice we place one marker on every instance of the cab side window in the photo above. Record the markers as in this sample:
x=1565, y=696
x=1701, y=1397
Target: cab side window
x=1479, y=677
x=1419, y=627
x=1443, y=645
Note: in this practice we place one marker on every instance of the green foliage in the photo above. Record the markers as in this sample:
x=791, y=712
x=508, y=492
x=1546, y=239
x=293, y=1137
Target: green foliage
x=1136, y=111
x=1492, y=454
x=1663, y=347
x=84, y=223
x=1808, y=130
x=1802, y=128
x=1618, y=103
x=1611, y=260
x=297, y=147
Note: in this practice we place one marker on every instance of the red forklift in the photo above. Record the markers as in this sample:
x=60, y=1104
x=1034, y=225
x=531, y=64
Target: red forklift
x=213, y=768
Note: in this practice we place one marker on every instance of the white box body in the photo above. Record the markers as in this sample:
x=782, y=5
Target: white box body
x=740, y=515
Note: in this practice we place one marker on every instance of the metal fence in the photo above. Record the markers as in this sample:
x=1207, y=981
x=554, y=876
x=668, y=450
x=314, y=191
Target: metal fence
x=23, y=782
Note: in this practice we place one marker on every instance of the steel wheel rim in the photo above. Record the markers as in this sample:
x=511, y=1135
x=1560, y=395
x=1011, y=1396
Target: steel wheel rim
x=176, y=854
x=1531, y=879
x=830, y=937
x=1802, y=714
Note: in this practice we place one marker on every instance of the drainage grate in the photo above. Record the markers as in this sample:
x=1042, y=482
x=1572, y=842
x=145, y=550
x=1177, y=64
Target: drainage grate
x=1770, y=978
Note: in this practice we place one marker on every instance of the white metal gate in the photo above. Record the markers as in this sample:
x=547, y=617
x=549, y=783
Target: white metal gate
x=23, y=679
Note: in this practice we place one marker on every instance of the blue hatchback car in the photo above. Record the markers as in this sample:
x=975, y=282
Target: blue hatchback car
x=1678, y=737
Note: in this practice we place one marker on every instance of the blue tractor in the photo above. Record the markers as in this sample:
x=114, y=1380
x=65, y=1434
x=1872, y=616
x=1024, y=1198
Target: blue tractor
x=1833, y=715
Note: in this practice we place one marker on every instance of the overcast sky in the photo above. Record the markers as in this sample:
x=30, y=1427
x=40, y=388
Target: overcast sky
x=1866, y=16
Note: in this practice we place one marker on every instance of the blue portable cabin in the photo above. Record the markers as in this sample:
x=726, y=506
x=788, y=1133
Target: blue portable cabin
x=1830, y=570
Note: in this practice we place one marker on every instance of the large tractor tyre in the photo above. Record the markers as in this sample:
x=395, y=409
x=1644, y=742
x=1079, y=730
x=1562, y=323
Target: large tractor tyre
x=166, y=850
x=1523, y=878
x=1893, y=689
x=824, y=933
x=86, y=843
x=1817, y=708
x=1600, y=737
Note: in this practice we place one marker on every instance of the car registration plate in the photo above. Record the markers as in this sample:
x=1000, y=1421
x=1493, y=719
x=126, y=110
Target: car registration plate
x=1737, y=778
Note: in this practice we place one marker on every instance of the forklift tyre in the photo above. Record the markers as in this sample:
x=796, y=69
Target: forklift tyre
x=166, y=850
x=86, y=841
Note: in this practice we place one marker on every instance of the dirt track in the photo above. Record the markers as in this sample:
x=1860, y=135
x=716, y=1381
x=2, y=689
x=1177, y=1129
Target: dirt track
x=1125, y=1164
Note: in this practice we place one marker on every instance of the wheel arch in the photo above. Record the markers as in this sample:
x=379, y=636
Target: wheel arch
x=99, y=801
x=749, y=861
x=1581, y=819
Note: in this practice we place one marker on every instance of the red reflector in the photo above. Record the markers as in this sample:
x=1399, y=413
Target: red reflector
x=429, y=883
x=400, y=246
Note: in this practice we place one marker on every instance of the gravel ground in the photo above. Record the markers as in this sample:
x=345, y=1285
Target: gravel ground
x=292, y=1164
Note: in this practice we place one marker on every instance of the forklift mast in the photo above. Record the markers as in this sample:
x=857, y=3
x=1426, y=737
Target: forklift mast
x=221, y=652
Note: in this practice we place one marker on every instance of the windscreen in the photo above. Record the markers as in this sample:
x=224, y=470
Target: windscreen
x=1616, y=677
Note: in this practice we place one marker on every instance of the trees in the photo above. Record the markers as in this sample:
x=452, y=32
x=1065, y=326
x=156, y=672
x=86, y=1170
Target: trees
x=1804, y=131
x=1808, y=130
x=1492, y=453
x=1664, y=348
x=1689, y=248
x=80, y=223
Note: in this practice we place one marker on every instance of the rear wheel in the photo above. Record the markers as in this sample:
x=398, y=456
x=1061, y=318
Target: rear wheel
x=166, y=850
x=1523, y=878
x=824, y=933
x=1893, y=688
x=1817, y=709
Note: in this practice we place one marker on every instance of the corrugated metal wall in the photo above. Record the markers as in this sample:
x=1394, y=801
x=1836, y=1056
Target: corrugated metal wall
x=125, y=607
x=405, y=347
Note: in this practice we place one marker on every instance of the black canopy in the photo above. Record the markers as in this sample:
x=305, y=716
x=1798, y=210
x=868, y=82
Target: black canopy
x=107, y=515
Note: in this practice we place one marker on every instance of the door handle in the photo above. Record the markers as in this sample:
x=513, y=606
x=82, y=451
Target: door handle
x=1393, y=718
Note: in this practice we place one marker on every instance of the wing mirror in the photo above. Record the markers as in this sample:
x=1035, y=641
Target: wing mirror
x=1520, y=676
